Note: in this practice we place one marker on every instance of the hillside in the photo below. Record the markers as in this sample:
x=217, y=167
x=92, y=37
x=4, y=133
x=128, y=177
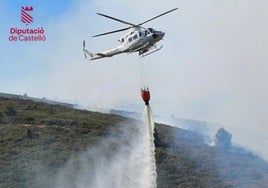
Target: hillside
x=183, y=160
x=45, y=145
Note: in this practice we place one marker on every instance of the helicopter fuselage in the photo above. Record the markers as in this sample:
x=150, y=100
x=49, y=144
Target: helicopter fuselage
x=137, y=40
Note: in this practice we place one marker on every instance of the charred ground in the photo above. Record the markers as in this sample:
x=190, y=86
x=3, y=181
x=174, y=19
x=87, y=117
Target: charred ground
x=40, y=133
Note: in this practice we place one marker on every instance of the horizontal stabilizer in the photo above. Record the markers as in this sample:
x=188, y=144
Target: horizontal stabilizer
x=100, y=54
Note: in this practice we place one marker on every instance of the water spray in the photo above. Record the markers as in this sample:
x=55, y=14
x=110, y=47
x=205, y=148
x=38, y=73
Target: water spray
x=145, y=94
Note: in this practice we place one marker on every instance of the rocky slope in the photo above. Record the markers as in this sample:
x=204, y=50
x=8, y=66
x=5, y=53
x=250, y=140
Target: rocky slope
x=37, y=141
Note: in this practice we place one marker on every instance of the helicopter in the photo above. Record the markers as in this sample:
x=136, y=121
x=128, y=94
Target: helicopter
x=139, y=39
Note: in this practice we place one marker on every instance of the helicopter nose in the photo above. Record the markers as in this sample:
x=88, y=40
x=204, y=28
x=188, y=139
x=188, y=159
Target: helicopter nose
x=158, y=35
x=162, y=34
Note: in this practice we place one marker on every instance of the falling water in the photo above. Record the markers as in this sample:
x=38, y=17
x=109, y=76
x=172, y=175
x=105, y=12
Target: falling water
x=149, y=130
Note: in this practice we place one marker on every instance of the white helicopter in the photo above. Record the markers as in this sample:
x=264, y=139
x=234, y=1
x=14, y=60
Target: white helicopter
x=138, y=39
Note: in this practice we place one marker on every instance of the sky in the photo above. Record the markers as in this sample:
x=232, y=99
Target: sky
x=212, y=67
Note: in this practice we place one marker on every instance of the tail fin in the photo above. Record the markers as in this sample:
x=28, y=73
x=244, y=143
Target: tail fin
x=86, y=53
x=84, y=44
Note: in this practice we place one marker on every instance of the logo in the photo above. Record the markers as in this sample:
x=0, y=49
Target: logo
x=25, y=15
x=27, y=34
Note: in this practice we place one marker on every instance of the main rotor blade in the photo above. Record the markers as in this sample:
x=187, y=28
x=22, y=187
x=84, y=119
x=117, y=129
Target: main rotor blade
x=122, y=21
x=128, y=23
x=157, y=16
x=115, y=31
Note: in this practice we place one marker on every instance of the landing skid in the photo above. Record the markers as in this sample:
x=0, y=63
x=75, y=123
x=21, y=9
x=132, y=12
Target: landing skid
x=144, y=55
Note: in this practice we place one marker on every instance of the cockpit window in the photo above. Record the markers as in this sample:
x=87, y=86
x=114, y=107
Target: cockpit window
x=139, y=34
x=151, y=30
x=129, y=39
x=146, y=32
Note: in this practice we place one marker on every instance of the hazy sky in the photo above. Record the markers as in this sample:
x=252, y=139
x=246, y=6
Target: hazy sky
x=213, y=65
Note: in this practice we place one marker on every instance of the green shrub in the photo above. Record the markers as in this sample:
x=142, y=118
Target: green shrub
x=29, y=133
x=10, y=111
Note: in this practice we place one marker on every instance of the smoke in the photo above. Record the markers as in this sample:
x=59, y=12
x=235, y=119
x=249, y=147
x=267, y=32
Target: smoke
x=120, y=160
x=212, y=66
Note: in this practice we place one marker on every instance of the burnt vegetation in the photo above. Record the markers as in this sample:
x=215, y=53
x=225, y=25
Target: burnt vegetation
x=37, y=139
